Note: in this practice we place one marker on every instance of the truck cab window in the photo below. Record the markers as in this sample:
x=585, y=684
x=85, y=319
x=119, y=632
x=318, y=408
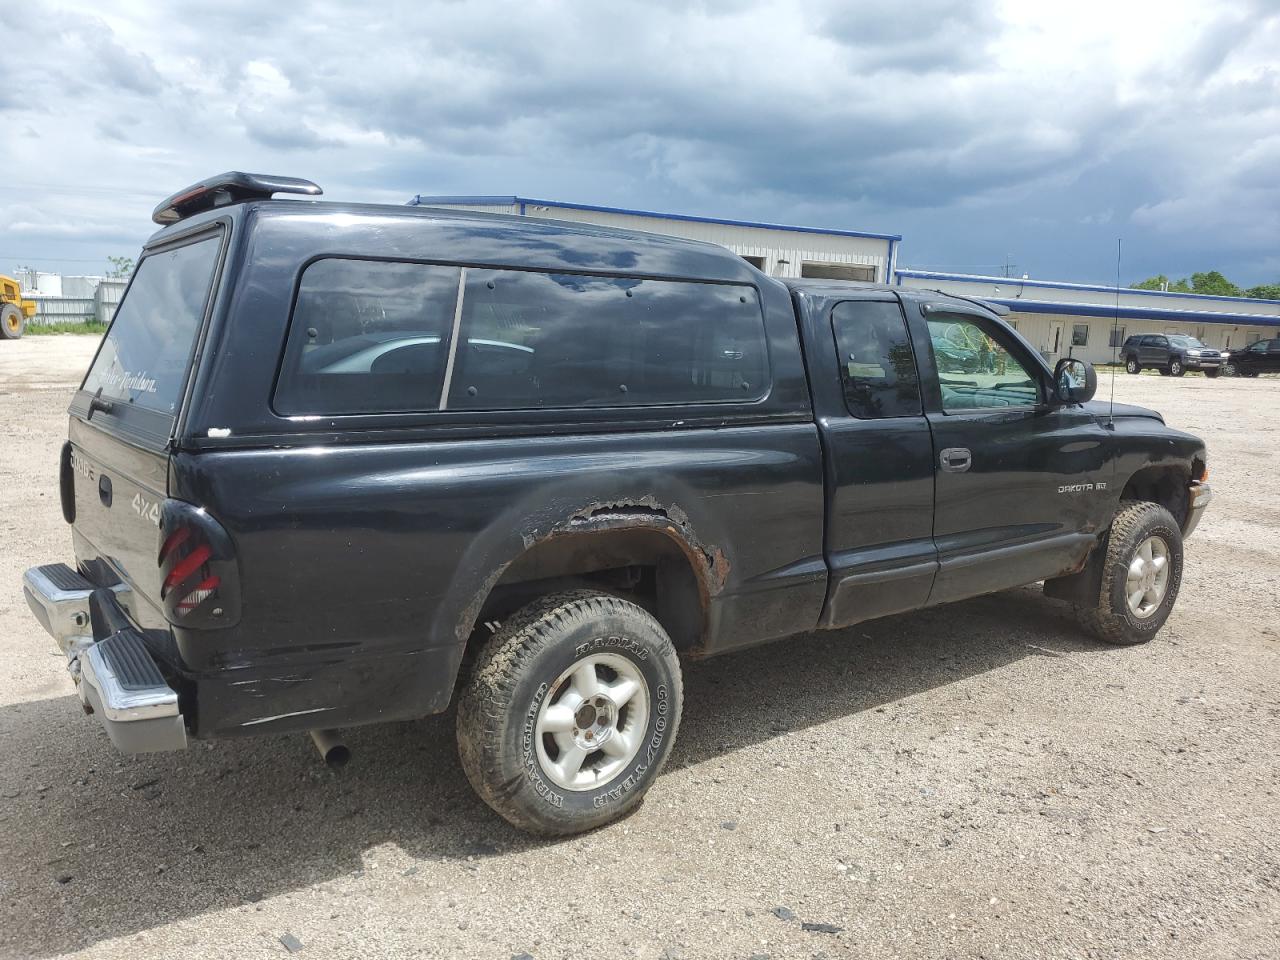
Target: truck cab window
x=877, y=367
x=975, y=370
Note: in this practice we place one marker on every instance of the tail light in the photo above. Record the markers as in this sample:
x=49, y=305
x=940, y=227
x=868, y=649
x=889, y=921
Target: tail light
x=199, y=577
x=67, y=484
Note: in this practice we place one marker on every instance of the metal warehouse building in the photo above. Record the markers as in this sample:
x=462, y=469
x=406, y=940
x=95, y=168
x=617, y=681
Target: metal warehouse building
x=1060, y=319
x=778, y=250
x=61, y=299
x=1079, y=320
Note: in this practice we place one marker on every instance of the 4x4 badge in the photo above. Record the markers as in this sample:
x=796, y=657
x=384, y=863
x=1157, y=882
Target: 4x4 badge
x=146, y=509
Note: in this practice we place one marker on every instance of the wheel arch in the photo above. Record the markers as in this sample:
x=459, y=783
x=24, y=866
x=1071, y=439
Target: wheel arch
x=641, y=557
x=1165, y=484
x=642, y=550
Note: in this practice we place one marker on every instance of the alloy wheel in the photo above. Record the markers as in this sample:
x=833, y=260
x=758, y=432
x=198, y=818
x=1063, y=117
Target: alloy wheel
x=591, y=725
x=1148, y=578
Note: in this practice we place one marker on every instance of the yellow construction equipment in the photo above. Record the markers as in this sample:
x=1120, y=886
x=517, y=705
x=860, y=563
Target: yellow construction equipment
x=14, y=311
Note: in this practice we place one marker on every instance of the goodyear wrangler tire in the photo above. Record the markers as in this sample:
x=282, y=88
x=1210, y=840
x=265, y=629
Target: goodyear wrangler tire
x=570, y=712
x=1141, y=576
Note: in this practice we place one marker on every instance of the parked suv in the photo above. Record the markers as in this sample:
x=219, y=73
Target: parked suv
x=337, y=464
x=1173, y=354
x=1260, y=357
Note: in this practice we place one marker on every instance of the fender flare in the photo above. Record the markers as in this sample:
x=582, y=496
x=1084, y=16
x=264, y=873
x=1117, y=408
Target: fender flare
x=491, y=552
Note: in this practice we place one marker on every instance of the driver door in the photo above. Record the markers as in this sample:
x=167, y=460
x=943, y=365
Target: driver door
x=1253, y=359
x=1271, y=361
x=1155, y=351
x=1022, y=486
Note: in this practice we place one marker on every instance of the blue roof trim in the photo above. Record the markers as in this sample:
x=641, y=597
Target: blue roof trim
x=686, y=218
x=1135, y=313
x=1063, y=285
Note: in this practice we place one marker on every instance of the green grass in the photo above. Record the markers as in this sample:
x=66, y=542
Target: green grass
x=65, y=326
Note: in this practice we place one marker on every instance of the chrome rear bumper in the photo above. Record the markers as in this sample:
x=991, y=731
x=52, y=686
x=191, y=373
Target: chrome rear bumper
x=115, y=675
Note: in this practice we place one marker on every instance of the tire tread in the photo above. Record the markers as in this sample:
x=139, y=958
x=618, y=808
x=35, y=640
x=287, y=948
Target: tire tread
x=484, y=704
x=1099, y=619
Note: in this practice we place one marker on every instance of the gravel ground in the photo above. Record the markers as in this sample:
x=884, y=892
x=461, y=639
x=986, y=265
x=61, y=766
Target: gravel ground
x=971, y=781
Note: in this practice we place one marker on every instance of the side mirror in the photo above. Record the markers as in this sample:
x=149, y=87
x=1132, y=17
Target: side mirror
x=1074, y=381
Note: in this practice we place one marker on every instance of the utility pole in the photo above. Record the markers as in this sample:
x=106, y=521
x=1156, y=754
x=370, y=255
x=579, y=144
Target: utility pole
x=1009, y=265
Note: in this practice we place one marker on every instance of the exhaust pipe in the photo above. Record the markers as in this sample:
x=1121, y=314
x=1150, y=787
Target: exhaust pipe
x=333, y=751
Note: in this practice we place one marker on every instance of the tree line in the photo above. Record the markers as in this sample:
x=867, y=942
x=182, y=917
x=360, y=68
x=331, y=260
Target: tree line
x=1212, y=283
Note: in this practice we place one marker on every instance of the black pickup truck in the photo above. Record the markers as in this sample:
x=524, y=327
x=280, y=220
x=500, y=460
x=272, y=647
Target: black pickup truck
x=338, y=464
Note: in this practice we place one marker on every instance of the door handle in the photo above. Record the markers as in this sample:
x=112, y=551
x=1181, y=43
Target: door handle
x=956, y=459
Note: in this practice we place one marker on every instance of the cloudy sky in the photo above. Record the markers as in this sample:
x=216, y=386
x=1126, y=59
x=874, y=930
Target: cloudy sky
x=981, y=131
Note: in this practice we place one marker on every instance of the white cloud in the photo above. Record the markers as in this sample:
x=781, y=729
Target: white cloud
x=960, y=123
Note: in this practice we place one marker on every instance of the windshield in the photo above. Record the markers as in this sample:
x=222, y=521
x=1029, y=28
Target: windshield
x=1181, y=341
x=144, y=357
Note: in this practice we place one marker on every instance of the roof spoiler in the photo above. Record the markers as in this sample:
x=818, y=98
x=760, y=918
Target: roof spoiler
x=226, y=189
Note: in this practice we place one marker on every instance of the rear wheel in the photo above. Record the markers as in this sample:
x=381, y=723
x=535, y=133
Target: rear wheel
x=1140, y=578
x=1132, y=366
x=1175, y=368
x=570, y=712
x=12, y=322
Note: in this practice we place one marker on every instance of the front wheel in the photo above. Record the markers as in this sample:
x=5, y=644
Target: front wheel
x=12, y=322
x=1141, y=576
x=1212, y=374
x=570, y=712
x=1175, y=368
x=1132, y=366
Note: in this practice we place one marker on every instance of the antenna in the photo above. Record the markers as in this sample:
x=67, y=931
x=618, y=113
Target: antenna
x=1115, y=331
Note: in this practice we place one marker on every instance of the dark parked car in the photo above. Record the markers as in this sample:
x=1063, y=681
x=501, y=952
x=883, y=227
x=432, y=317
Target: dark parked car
x=1172, y=354
x=338, y=464
x=1260, y=357
x=960, y=359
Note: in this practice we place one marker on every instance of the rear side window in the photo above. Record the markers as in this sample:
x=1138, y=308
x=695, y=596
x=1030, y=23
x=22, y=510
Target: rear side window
x=378, y=337
x=529, y=340
x=144, y=357
x=877, y=367
x=367, y=337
